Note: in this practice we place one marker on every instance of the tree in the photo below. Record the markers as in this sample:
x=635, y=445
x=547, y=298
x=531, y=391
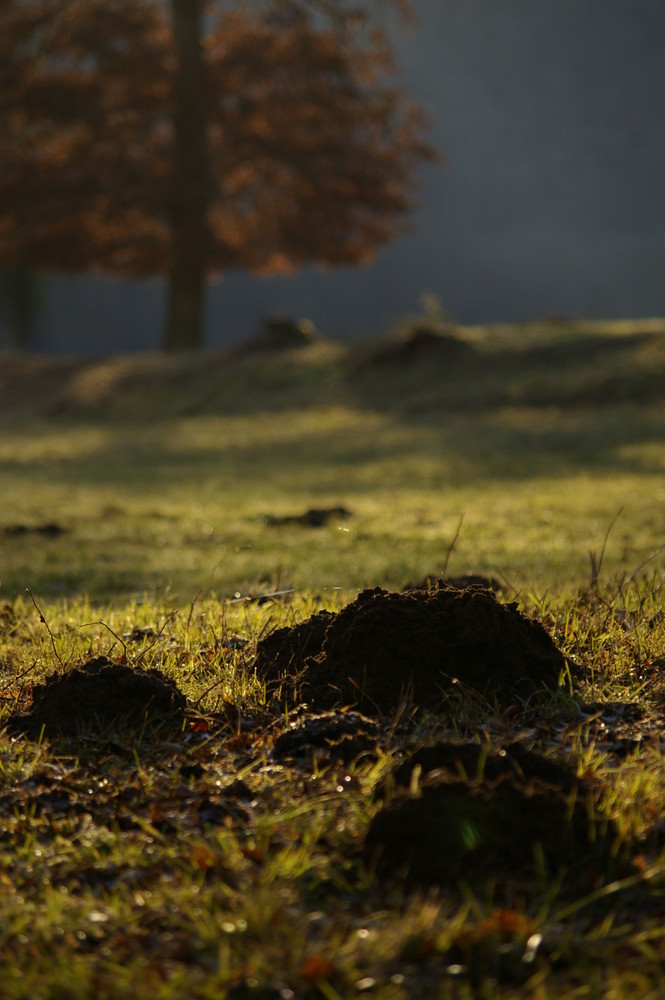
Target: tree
x=21, y=301
x=187, y=139
x=190, y=194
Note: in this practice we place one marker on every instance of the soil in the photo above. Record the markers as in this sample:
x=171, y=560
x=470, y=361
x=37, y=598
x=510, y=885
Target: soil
x=49, y=529
x=469, y=760
x=432, y=343
x=315, y=517
x=511, y=814
x=433, y=581
x=26, y=379
x=99, y=696
x=279, y=333
x=421, y=645
x=327, y=736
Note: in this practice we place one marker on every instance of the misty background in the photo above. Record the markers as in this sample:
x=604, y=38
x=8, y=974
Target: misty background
x=552, y=203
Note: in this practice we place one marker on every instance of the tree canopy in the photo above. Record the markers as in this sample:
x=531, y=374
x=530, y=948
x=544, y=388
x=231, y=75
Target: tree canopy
x=141, y=138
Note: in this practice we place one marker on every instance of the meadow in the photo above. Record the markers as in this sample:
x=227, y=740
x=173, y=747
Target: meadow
x=156, y=511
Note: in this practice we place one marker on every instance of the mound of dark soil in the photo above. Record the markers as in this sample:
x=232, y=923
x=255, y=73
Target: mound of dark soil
x=98, y=696
x=285, y=652
x=384, y=646
x=280, y=333
x=327, y=736
x=433, y=343
x=50, y=529
x=315, y=517
x=26, y=380
x=504, y=815
x=471, y=760
x=435, y=581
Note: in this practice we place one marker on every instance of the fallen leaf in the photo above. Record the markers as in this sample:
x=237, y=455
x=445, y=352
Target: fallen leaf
x=315, y=969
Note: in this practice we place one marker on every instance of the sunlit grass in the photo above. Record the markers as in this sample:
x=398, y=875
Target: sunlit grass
x=542, y=468
x=276, y=897
x=168, y=487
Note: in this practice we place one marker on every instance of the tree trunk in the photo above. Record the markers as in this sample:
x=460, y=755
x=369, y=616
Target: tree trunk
x=21, y=302
x=189, y=205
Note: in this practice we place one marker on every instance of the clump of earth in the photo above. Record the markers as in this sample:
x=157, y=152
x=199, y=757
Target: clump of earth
x=99, y=696
x=315, y=517
x=431, y=342
x=421, y=645
x=327, y=736
x=463, y=814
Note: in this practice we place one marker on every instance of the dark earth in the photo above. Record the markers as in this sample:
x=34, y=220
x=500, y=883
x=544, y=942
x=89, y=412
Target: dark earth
x=98, y=697
x=328, y=737
x=315, y=517
x=465, y=813
x=429, y=341
x=49, y=529
x=422, y=645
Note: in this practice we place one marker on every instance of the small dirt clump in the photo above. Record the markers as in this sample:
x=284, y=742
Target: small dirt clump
x=385, y=646
x=315, y=517
x=431, y=343
x=327, y=736
x=99, y=696
x=473, y=760
x=506, y=814
x=50, y=529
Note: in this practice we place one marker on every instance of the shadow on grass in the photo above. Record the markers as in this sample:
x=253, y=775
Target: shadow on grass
x=267, y=435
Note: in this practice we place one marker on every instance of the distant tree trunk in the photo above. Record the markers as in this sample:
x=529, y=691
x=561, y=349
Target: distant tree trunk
x=21, y=301
x=190, y=194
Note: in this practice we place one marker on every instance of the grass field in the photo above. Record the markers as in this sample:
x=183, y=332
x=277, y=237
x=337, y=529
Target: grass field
x=150, y=504
x=161, y=472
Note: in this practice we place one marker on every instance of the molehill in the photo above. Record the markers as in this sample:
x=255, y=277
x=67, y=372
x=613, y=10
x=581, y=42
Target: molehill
x=421, y=645
x=99, y=696
x=468, y=813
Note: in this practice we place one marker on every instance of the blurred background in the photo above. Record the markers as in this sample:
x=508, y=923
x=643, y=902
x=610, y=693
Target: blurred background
x=551, y=116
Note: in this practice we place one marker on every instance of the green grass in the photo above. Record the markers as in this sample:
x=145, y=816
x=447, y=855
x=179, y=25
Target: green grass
x=161, y=472
x=129, y=865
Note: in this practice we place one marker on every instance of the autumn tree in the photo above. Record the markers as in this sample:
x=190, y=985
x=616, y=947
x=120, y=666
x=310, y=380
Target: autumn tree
x=189, y=138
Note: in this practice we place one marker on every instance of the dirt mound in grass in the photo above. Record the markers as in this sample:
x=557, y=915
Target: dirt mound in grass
x=471, y=760
x=27, y=381
x=99, y=696
x=421, y=644
x=327, y=736
x=315, y=517
x=437, y=343
x=509, y=814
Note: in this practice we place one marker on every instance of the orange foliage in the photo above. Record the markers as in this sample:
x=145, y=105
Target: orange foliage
x=316, y=969
x=311, y=155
